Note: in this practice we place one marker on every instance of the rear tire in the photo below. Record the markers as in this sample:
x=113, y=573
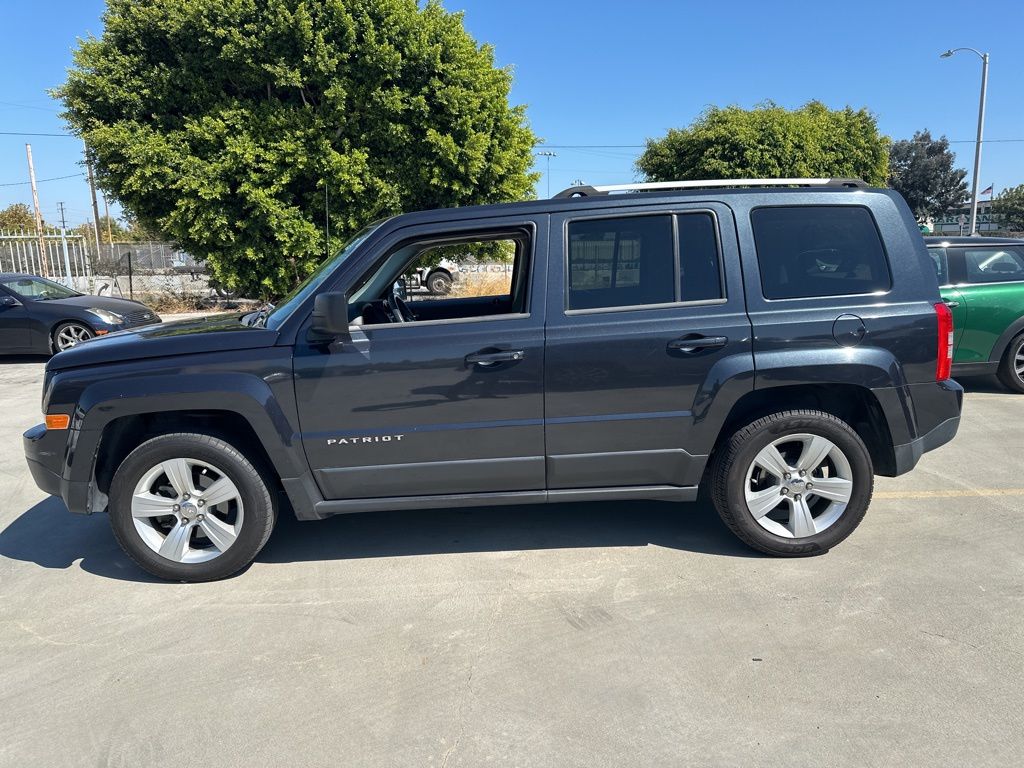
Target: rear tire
x=439, y=283
x=190, y=507
x=1011, y=368
x=767, y=478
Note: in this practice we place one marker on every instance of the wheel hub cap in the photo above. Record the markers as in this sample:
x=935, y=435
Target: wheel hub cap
x=798, y=485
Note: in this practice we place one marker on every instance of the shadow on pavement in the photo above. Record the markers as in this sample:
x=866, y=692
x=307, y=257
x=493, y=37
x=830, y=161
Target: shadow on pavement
x=692, y=527
x=12, y=359
x=984, y=384
x=50, y=536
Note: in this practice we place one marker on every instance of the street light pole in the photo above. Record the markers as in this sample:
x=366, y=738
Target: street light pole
x=547, y=172
x=981, y=128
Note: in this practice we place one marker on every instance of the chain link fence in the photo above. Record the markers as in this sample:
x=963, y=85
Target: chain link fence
x=156, y=272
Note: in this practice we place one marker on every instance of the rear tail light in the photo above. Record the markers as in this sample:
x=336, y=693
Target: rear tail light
x=944, y=363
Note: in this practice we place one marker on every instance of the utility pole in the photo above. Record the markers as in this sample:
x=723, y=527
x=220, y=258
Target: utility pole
x=106, y=213
x=95, y=206
x=64, y=246
x=39, y=216
x=547, y=171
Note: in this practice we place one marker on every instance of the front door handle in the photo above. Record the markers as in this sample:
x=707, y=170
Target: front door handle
x=689, y=344
x=491, y=358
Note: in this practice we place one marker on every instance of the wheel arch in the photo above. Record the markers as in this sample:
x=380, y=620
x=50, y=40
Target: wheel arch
x=1003, y=342
x=858, y=406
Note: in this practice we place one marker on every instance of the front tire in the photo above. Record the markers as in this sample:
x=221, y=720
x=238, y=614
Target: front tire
x=1011, y=368
x=190, y=507
x=67, y=335
x=794, y=483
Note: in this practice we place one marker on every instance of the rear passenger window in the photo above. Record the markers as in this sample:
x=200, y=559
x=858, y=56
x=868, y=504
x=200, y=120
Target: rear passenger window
x=635, y=261
x=939, y=260
x=806, y=251
x=993, y=265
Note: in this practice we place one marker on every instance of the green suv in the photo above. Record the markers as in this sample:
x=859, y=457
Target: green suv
x=982, y=281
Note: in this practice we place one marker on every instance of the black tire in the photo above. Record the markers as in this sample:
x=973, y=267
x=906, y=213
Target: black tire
x=1008, y=373
x=81, y=328
x=258, y=503
x=439, y=283
x=734, y=458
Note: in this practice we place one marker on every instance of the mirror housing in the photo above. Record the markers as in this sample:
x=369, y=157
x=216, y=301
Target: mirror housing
x=330, y=317
x=401, y=288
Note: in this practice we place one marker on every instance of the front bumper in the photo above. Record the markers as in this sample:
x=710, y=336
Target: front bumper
x=45, y=452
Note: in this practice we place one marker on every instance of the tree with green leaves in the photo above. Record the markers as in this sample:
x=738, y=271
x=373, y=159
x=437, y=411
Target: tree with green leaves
x=770, y=142
x=1008, y=205
x=110, y=230
x=239, y=129
x=17, y=217
x=922, y=170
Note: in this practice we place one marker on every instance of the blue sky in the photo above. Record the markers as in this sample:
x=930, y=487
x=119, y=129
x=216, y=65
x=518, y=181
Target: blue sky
x=616, y=73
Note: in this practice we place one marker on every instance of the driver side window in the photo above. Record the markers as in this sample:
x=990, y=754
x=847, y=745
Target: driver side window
x=470, y=276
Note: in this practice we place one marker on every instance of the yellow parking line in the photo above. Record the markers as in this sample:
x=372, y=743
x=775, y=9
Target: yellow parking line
x=949, y=494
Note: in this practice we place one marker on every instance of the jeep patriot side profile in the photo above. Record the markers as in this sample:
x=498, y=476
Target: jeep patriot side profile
x=782, y=341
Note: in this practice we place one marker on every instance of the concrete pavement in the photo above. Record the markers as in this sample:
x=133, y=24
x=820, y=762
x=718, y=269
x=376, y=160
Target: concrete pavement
x=572, y=635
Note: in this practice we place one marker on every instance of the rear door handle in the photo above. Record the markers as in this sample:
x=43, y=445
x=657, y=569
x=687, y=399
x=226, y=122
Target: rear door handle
x=697, y=343
x=490, y=358
x=950, y=303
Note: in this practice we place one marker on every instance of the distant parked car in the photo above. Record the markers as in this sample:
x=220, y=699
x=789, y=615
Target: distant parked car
x=39, y=316
x=982, y=281
x=436, y=280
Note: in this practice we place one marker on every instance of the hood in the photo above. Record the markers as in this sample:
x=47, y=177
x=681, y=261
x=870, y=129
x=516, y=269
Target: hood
x=214, y=333
x=109, y=303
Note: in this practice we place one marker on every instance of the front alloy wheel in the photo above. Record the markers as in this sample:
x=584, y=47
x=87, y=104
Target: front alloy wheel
x=187, y=510
x=190, y=507
x=68, y=335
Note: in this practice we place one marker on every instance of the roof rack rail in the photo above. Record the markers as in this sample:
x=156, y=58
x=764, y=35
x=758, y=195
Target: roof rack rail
x=654, y=186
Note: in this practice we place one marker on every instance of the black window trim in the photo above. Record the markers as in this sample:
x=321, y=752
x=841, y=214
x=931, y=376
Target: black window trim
x=525, y=230
x=881, y=241
x=674, y=213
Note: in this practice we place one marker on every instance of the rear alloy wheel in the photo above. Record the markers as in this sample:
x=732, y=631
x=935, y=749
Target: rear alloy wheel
x=793, y=483
x=67, y=335
x=1011, y=369
x=190, y=507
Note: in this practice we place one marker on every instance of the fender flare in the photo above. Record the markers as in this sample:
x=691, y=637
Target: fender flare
x=999, y=349
x=242, y=394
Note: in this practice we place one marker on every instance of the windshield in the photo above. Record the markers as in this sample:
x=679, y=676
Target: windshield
x=37, y=289
x=307, y=287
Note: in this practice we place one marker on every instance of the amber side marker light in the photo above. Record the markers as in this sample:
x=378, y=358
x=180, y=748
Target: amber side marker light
x=57, y=420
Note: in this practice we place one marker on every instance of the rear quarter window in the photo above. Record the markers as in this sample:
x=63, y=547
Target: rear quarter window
x=825, y=250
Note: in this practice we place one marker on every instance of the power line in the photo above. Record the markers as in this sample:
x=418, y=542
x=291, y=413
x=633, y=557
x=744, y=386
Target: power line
x=24, y=133
x=40, y=181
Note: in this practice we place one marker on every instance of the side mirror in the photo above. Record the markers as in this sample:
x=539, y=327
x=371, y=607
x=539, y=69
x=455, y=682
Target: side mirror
x=401, y=289
x=9, y=301
x=330, y=317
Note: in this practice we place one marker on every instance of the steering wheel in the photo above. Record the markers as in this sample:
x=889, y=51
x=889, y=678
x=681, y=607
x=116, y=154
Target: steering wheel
x=398, y=308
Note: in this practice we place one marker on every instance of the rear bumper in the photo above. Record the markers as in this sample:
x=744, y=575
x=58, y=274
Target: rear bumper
x=936, y=408
x=44, y=453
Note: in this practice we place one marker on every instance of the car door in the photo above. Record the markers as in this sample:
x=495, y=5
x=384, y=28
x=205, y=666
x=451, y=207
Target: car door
x=449, y=404
x=992, y=290
x=640, y=312
x=14, y=323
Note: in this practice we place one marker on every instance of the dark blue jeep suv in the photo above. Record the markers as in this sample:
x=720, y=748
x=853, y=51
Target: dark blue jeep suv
x=781, y=341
